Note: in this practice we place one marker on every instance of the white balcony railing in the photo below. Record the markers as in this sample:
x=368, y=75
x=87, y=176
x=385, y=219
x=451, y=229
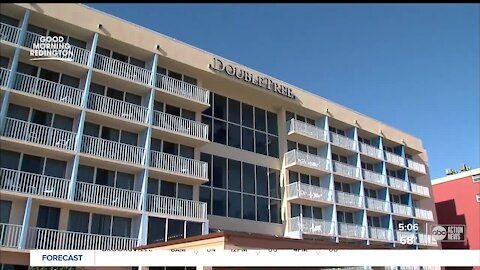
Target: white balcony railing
x=108, y=196
x=310, y=192
x=376, y=204
x=373, y=177
x=394, y=158
x=422, y=190
x=178, y=164
x=307, y=160
x=352, y=230
x=39, y=134
x=10, y=235
x=311, y=226
x=398, y=183
x=117, y=107
x=112, y=150
x=423, y=213
x=342, y=141
x=404, y=236
x=306, y=130
x=79, y=55
x=122, y=69
x=425, y=239
x=4, y=73
x=48, y=89
x=380, y=233
x=401, y=209
x=176, y=207
x=9, y=33
x=180, y=125
x=345, y=169
x=348, y=199
x=370, y=150
x=182, y=89
x=416, y=166
x=31, y=183
x=41, y=238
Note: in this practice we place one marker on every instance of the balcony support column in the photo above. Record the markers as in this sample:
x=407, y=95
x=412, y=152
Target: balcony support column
x=22, y=243
x=81, y=122
x=13, y=69
x=143, y=228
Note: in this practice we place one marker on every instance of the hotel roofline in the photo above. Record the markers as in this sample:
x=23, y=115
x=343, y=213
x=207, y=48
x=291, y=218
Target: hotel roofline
x=141, y=37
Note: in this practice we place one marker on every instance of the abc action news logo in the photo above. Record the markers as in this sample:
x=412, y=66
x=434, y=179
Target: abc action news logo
x=449, y=233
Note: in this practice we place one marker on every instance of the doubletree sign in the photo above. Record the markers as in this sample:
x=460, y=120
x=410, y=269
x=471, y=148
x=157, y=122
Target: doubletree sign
x=261, y=81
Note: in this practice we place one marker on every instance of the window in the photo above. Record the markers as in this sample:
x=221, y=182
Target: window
x=395, y=198
x=48, y=217
x=99, y=224
x=115, y=94
x=241, y=190
x=476, y=178
x=5, y=208
x=39, y=117
x=345, y=217
x=365, y=141
x=367, y=166
x=106, y=177
x=156, y=230
x=345, y=187
x=371, y=193
x=340, y=158
x=243, y=126
x=374, y=221
x=337, y=131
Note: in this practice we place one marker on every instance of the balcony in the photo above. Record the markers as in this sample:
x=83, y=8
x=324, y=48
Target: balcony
x=183, y=91
x=401, y=209
x=10, y=235
x=306, y=163
x=112, y=150
x=416, y=166
x=423, y=213
x=374, y=177
x=9, y=33
x=122, y=69
x=177, y=207
x=309, y=192
x=382, y=234
x=348, y=199
x=107, y=196
x=398, y=183
x=345, y=169
x=179, y=165
x=370, y=150
x=395, y=159
x=352, y=230
x=311, y=226
x=117, y=108
x=310, y=134
x=48, y=89
x=424, y=239
x=421, y=190
x=180, y=126
x=40, y=238
x=377, y=205
x=404, y=236
x=34, y=184
x=80, y=55
x=342, y=141
x=39, y=134
x=4, y=73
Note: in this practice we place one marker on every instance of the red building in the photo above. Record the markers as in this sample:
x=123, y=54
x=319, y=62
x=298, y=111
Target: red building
x=457, y=201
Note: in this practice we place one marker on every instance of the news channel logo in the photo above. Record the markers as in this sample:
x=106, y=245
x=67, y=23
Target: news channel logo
x=448, y=233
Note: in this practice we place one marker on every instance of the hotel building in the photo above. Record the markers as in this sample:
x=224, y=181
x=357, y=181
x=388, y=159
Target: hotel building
x=143, y=139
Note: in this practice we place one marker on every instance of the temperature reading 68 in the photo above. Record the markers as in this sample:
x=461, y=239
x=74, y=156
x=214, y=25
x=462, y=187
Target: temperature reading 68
x=408, y=236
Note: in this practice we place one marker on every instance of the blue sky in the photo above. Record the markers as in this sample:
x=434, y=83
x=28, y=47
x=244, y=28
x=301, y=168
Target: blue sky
x=414, y=67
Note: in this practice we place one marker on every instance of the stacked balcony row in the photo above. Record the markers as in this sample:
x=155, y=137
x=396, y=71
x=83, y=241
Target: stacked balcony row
x=42, y=238
x=313, y=164
x=316, y=136
x=111, y=66
x=311, y=226
x=58, y=188
x=298, y=192
x=98, y=147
